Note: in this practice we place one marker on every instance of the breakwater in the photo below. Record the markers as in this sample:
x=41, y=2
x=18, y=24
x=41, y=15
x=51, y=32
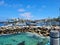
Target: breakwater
x=44, y=31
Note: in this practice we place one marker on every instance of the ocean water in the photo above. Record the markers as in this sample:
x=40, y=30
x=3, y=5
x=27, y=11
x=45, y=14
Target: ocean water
x=2, y=24
x=15, y=39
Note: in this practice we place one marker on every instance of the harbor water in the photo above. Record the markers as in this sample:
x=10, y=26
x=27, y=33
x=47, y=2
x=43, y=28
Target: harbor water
x=15, y=39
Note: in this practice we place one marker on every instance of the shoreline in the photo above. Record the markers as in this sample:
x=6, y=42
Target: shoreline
x=41, y=31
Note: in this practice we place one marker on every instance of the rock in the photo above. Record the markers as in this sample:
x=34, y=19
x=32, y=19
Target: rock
x=40, y=43
x=22, y=43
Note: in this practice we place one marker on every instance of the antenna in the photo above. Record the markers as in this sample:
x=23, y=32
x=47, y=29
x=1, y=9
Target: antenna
x=59, y=11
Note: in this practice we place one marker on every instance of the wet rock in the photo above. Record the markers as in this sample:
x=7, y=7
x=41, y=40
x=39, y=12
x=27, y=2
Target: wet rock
x=1, y=43
x=22, y=43
x=8, y=44
x=14, y=40
x=40, y=43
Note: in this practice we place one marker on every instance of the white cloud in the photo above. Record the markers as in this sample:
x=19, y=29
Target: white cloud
x=2, y=2
x=21, y=10
x=43, y=6
x=28, y=6
x=7, y=5
x=14, y=5
x=17, y=5
x=26, y=15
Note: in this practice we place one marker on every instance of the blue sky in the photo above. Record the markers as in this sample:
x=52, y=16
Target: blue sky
x=29, y=9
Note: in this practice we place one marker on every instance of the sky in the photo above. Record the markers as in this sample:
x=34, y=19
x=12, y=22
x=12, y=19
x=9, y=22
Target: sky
x=29, y=9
